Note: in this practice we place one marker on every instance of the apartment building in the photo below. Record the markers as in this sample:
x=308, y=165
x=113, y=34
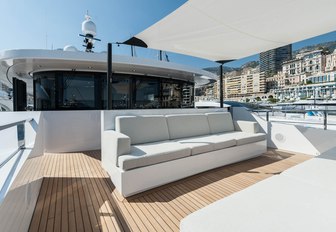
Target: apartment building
x=216, y=90
x=271, y=61
x=277, y=81
x=321, y=78
x=312, y=62
x=304, y=67
x=312, y=67
x=330, y=64
x=247, y=83
x=292, y=67
x=233, y=86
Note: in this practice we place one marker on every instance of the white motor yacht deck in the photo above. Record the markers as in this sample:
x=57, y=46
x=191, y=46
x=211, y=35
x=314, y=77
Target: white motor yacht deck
x=60, y=172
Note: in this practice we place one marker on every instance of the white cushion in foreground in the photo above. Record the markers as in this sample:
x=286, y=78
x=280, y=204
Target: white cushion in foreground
x=276, y=204
x=319, y=172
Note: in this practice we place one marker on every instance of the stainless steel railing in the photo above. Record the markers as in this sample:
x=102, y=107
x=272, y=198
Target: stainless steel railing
x=271, y=112
x=21, y=139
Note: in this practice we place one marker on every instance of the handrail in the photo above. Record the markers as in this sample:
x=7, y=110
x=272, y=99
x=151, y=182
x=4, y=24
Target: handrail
x=298, y=111
x=291, y=111
x=3, y=163
x=9, y=125
x=6, y=185
x=17, y=154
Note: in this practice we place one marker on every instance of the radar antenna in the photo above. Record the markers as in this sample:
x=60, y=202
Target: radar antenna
x=89, y=33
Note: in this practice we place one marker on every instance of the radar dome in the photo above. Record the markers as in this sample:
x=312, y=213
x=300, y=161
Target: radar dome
x=70, y=48
x=89, y=27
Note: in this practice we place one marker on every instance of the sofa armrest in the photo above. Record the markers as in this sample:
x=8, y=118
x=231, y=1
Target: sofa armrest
x=246, y=126
x=114, y=144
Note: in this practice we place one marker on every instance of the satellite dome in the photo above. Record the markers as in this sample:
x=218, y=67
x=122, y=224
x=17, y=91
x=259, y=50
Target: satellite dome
x=70, y=48
x=89, y=27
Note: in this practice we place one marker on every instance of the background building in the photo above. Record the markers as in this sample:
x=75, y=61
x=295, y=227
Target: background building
x=276, y=82
x=271, y=61
x=311, y=73
x=249, y=82
x=312, y=62
x=331, y=62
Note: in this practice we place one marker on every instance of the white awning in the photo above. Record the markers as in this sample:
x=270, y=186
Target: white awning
x=232, y=29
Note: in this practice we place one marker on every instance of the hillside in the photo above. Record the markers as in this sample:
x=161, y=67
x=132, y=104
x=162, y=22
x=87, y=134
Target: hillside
x=328, y=46
x=216, y=70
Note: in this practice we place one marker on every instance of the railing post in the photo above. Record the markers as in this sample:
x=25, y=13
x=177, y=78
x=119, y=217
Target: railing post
x=325, y=119
x=267, y=116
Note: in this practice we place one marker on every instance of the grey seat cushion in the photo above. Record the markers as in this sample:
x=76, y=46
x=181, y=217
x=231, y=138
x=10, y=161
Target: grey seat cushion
x=207, y=143
x=187, y=125
x=224, y=140
x=220, y=122
x=153, y=153
x=198, y=145
x=143, y=129
x=243, y=137
x=246, y=138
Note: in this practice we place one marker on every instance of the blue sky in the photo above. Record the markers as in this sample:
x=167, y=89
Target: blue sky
x=54, y=24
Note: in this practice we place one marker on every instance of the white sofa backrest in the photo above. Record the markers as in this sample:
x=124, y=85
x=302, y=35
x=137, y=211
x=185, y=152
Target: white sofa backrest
x=187, y=125
x=143, y=129
x=220, y=122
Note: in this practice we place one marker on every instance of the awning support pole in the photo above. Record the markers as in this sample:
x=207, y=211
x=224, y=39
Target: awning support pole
x=221, y=91
x=109, y=76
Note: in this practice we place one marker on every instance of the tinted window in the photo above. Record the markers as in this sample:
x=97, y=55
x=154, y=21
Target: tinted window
x=88, y=91
x=171, y=94
x=120, y=92
x=146, y=93
x=77, y=91
x=45, y=92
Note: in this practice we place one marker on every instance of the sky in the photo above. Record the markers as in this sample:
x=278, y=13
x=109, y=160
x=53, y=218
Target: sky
x=53, y=24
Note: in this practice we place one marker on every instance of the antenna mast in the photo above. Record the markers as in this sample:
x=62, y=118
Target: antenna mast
x=89, y=32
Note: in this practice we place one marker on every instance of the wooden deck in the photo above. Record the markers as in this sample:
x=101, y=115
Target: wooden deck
x=78, y=195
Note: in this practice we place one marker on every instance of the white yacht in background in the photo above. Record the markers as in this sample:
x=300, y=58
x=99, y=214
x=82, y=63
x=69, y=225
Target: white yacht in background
x=55, y=176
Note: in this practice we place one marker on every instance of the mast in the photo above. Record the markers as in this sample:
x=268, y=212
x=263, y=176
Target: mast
x=160, y=55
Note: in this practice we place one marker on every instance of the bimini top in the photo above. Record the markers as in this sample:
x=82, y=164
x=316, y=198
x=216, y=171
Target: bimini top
x=24, y=63
x=221, y=30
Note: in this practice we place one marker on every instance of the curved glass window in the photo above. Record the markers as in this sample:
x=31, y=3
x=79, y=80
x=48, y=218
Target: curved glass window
x=71, y=90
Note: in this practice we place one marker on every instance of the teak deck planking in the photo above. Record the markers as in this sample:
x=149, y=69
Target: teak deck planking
x=78, y=195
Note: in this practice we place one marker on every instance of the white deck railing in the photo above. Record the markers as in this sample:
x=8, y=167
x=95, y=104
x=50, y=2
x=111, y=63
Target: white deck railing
x=12, y=152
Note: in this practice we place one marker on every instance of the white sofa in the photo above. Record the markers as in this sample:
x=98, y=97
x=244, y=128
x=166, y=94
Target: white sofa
x=144, y=152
